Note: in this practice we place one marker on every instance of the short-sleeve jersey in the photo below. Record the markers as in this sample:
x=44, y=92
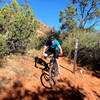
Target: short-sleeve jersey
x=54, y=45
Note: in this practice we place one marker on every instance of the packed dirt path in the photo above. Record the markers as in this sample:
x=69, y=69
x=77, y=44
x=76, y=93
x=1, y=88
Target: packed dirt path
x=20, y=80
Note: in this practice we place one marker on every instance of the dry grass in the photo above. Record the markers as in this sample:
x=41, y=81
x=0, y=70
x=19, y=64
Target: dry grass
x=34, y=53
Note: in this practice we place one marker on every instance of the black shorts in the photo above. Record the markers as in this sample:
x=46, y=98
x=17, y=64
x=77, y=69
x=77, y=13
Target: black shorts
x=54, y=52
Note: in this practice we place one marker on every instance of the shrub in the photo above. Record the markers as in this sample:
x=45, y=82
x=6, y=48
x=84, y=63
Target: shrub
x=88, y=48
x=17, y=25
x=36, y=42
x=2, y=46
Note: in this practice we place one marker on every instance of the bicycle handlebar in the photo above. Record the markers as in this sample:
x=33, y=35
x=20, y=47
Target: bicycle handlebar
x=60, y=55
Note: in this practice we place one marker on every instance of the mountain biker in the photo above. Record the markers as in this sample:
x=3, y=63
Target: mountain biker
x=53, y=46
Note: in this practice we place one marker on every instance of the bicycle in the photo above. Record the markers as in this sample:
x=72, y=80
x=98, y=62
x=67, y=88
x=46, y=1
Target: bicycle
x=50, y=74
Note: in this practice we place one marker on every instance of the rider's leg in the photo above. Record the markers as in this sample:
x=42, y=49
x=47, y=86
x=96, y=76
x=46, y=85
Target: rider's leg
x=57, y=62
x=56, y=56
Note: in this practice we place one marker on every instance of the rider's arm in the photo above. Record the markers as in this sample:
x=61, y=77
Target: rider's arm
x=44, y=49
x=60, y=49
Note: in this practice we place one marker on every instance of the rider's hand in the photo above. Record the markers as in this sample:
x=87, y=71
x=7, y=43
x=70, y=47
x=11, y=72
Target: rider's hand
x=44, y=55
x=60, y=55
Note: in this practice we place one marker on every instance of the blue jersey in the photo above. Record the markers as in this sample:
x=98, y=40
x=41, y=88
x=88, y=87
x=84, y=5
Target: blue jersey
x=54, y=45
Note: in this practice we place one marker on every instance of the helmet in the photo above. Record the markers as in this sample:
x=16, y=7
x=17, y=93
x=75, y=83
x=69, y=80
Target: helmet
x=52, y=37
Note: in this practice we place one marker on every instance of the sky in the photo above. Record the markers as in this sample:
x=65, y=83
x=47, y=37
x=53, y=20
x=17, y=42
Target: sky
x=47, y=11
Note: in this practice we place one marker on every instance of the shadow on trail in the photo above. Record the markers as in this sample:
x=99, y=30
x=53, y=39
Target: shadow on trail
x=64, y=92
x=18, y=92
x=66, y=68
x=98, y=95
x=61, y=92
x=96, y=74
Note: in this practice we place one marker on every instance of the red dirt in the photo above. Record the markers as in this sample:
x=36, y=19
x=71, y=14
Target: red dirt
x=26, y=85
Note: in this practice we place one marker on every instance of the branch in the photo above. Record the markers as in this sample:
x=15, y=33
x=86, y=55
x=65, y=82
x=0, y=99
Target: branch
x=88, y=13
x=92, y=25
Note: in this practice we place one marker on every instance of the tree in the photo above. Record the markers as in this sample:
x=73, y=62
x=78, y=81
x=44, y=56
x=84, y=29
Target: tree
x=85, y=13
x=17, y=26
x=67, y=18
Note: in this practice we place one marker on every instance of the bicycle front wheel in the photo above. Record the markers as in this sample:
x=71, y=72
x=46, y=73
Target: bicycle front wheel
x=46, y=81
x=53, y=74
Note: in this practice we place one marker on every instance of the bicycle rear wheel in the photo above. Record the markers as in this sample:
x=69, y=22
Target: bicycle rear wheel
x=46, y=81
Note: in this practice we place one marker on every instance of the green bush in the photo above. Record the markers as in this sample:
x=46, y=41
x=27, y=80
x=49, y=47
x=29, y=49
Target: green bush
x=37, y=43
x=17, y=26
x=2, y=46
x=68, y=43
x=88, y=48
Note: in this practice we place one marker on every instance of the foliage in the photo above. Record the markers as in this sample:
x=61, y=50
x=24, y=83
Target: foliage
x=88, y=48
x=84, y=13
x=17, y=25
x=67, y=18
x=2, y=46
x=78, y=22
x=68, y=43
x=36, y=42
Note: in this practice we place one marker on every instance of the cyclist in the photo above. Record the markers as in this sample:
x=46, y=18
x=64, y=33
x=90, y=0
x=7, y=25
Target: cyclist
x=53, y=46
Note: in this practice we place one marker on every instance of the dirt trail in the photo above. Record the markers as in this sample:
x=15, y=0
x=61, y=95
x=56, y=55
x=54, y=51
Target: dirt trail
x=20, y=80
